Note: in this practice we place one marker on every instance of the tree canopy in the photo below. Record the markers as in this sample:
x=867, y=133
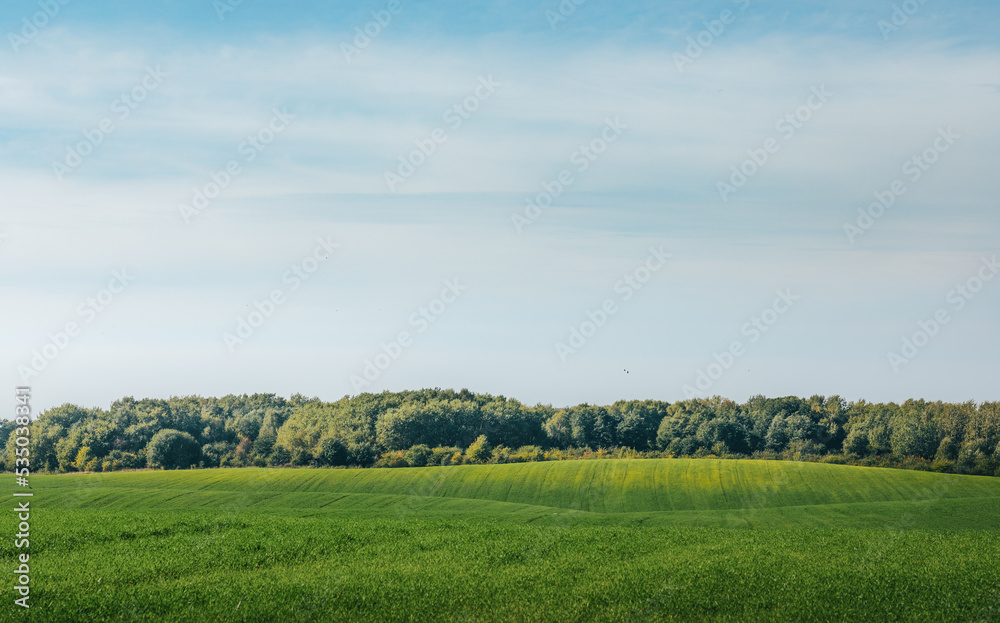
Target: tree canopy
x=444, y=427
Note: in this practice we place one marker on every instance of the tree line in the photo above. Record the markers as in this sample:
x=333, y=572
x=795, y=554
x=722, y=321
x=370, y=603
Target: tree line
x=445, y=427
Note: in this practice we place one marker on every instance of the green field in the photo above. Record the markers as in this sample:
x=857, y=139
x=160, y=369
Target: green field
x=601, y=540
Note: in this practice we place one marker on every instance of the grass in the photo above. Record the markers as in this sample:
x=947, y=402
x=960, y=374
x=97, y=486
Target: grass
x=644, y=540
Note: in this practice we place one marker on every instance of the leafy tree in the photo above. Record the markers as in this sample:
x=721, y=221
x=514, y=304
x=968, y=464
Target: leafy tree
x=215, y=454
x=332, y=452
x=363, y=454
x=264, y=443
x=83, y=457
x=638, y=422
x=66, y=451
x=558, y=430
x=395, y=458
x=526, y=454
x=912, y=438
x=776, y=438
x=947, y=450
x=418, y=455
x=279, y=456
x=445, y=455
x=480, y=451
x=172, y=449
x=593, y=426
x=856, y=442
x=500, y=454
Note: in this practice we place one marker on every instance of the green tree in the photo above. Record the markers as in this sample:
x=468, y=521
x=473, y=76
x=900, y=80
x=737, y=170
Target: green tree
x=363, y=454
x=66, y=451
x=776, y=438
x=480, y=451
x=856, y=441
x=947, y=450
x=418, y=455
x=558, y=430
x=215, y=453
x=279, y=456
x=639, y=422
x=83, y=457
x=332, y=452
x=172, y=449
x=265, y=441
x=911, y=438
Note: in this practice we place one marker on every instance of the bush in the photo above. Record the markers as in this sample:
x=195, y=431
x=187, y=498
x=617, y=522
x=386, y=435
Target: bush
x=943, y=466
x=443, y=455
x=527, y=454
x=392, y=459
x=500, y=454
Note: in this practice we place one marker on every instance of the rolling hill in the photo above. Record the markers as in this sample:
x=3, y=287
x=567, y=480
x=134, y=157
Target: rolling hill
x=709, y=492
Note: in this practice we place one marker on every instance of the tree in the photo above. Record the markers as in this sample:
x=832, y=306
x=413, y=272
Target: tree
x=214, y=453
x=66, y=451
x=947, y=450
x=363, y=454
x=279, y=456
x=856, y=442
x=639, y=422
x=172, y=449
x=480, y=451
x=83, y=457
x=911, y=438
x=265, y=441
x=418, y=455
x=331, y=452
x=592, y=426
x=557, y=429
x=776, y=438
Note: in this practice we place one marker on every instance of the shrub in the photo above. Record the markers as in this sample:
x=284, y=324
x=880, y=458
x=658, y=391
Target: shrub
x=500, y=454
x=445, y=455
x=527, y=454
x=942, y=466
x=392, y=459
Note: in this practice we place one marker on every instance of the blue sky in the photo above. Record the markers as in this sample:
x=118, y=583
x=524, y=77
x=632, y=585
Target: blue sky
x=644, y=110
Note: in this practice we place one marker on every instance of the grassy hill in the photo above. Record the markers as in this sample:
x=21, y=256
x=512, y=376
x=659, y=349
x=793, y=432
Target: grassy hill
x=636, y=541
x=681, y=491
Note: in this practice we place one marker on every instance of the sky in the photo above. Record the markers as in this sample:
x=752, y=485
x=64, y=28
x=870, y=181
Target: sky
x=556, y=202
